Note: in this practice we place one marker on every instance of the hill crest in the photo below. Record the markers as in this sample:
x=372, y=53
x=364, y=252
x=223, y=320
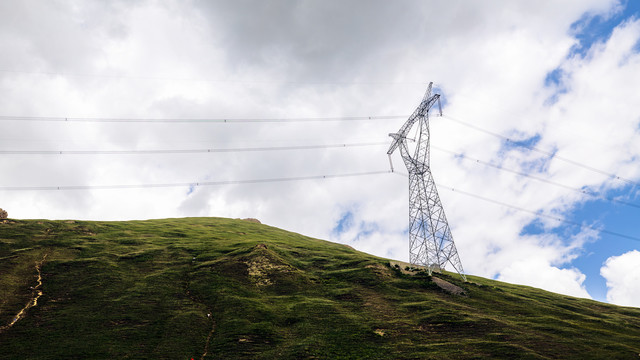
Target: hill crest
x=222, y=288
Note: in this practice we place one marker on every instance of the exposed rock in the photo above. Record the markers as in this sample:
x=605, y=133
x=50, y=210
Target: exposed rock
x=448, y=287
x=409, y=269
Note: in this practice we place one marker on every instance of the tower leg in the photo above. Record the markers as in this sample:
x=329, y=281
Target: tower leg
x=430, y=241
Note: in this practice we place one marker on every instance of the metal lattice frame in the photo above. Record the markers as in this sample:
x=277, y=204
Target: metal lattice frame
x=430, y=242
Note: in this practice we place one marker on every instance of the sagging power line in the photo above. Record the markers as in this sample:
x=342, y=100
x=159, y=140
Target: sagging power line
x=536, y=213
x=301, y=119
x=549, y=154
x=292, y=179
x=537, y=178
x=308, y=119
x=185, y=151
x=327, y=146
x=540, y=214
x=188, y=184
x=196, y=120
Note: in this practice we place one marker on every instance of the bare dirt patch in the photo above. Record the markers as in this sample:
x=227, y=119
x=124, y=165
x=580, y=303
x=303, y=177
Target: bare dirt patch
x=262, y=264
x=37, y=293
x=380, y=270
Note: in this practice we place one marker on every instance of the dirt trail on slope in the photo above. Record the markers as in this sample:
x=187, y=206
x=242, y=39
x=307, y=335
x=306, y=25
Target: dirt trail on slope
x=37, y=292
x=209, y=315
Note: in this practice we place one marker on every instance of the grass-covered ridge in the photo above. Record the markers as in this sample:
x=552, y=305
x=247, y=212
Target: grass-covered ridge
x=177, y=288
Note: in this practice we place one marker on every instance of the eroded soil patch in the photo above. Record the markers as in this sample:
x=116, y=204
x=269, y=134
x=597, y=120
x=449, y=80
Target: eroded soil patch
x=37, y=293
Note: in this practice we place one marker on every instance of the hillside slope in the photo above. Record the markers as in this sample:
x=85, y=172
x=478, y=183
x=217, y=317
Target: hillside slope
x=219, y=288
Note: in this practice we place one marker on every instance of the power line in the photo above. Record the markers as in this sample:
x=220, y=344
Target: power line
x=544, y=152
x=303, y=119
x=291, y=179
x=538, y=213
x=302, y=147
x=499, y=167
x=188, y=184
x=196, y=120
x=183, y=151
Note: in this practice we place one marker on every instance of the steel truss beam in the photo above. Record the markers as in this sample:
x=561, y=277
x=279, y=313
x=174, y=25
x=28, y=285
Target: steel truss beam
x=430, y=242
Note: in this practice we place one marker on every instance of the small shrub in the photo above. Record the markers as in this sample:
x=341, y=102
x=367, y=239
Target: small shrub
x=3, y=214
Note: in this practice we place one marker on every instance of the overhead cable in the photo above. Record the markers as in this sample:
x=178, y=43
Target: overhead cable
x=184, y=151
x=291, y=179
x=544, y=152
x=188, y=184
x=539, y=213
x=500, y=167
x=536, y=213
x=197, y=120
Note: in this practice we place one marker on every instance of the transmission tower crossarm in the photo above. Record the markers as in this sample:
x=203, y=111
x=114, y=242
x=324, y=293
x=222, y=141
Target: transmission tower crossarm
x=427, y=102
x=401, y=135
x=426, y=105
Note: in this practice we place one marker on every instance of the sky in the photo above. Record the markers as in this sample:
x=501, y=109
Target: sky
x=102, y=102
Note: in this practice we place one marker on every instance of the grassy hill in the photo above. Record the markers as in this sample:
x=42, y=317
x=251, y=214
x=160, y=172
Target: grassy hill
x=184, y=288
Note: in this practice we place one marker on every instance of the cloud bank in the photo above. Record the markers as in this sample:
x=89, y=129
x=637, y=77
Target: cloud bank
x=623, y=275
x=519, y=69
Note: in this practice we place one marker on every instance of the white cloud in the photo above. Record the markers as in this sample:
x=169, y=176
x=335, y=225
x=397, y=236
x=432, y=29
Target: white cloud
x=538, y=273
x=623, y=278
x=207, y=59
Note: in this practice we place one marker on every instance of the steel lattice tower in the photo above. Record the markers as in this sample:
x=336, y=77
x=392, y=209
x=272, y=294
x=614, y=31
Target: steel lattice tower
x=430, y=242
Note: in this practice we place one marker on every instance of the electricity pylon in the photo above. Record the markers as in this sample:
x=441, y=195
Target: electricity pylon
x=430, y=242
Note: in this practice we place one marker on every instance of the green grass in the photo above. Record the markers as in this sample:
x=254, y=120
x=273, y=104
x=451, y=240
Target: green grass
x=158, y=289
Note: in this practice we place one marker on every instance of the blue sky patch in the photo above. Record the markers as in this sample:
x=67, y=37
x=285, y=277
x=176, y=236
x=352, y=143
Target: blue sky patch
x=537, y=165
x=617, y=218
x=443, y=99
x=636, y=47
x=590, y=30
x=531, y=141
x=344, y=224
x=536, y=227
x=366, y=229
x=540, y=165
x=610, y=216
x=555, y=79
